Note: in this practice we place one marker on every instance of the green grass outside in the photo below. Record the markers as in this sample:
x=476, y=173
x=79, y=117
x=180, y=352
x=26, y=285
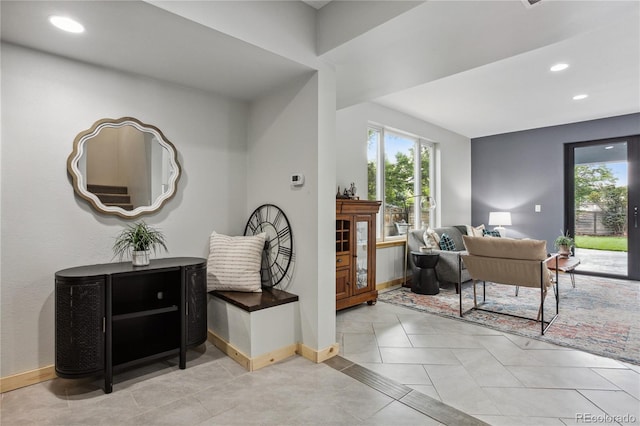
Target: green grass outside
x=601, y=243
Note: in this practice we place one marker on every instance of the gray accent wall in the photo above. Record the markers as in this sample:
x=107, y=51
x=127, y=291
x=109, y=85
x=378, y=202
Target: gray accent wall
x=515, y=171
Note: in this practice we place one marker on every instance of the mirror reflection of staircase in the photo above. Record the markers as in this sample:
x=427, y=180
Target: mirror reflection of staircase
x=111, y=195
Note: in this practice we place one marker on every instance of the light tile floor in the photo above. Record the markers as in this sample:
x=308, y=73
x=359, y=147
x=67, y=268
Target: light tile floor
x=453, y=368
x=212, y=390
x=500, y=378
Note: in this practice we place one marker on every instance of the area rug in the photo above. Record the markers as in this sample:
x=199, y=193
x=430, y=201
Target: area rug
x=599, y=315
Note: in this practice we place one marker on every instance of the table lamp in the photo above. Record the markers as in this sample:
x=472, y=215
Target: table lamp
x=499, y=219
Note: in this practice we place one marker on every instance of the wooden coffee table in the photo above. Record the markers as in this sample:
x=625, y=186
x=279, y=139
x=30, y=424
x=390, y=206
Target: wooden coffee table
x=567, y=265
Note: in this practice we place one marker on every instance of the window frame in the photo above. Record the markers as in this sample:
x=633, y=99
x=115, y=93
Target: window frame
x=419, y=143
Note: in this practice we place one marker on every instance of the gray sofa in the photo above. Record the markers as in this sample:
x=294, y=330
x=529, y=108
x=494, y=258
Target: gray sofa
x=450, y=269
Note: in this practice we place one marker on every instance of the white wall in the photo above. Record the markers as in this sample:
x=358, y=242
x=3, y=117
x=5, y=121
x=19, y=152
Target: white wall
x=288, y=28
x=453, y=166
x=46, y=102
x=284, y=139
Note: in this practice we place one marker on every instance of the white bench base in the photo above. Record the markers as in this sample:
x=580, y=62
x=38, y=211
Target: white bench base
x=254, y=329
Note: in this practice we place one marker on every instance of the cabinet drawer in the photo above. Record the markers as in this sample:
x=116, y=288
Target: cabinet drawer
x=343, y=260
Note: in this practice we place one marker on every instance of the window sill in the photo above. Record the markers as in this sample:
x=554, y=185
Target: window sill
x=390, y=243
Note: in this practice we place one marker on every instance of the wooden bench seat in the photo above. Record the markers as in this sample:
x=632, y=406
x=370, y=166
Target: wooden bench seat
x=251, y=302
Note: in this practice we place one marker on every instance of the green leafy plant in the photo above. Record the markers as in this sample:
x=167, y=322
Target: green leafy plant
x=138, y=237
x=564, y=240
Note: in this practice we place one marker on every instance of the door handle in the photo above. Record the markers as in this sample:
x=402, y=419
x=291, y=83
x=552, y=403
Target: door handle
x=635, y=216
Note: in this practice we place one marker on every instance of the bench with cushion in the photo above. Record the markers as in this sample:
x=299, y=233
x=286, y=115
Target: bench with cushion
x=253, y=325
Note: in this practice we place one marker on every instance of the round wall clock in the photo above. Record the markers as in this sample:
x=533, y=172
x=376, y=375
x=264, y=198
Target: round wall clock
x=277, y=255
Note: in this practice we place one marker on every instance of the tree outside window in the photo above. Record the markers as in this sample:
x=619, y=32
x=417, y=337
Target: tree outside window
x=405, y=181
x=597, y=196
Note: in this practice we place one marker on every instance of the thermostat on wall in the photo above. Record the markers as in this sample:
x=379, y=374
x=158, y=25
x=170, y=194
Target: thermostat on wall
x=297, y=179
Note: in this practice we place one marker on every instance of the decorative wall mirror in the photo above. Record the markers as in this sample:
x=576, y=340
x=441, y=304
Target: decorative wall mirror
x=124, y=167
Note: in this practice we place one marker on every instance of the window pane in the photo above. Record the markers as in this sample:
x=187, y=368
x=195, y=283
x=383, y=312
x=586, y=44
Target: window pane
x=398, y=183
x=372, y=163
x=362, y=238
x=425, y=187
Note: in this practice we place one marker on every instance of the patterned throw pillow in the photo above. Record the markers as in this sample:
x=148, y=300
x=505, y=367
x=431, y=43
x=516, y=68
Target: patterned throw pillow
x=494, y=233
x=446, y=243
x=234, y=263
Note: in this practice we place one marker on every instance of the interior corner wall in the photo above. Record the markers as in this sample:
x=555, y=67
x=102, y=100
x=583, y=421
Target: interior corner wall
x=283, y=139
x=516, y=171
x=46, y=101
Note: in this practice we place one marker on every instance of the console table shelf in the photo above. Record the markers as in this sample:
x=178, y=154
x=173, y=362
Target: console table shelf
x=116, y=315
x=144, y=313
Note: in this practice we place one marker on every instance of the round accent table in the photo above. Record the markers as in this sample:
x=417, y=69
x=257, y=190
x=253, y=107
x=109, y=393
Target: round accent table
x=424, y=277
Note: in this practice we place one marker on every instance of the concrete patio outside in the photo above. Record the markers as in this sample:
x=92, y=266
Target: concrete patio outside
x=602, y=261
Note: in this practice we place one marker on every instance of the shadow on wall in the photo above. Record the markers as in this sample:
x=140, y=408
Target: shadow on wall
x=46, y=329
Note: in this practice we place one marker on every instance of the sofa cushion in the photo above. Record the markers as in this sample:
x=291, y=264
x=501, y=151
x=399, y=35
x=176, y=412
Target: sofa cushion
x=506, y=248
x=446, y=243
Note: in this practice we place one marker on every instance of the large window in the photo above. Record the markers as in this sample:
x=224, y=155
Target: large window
x=400, y=174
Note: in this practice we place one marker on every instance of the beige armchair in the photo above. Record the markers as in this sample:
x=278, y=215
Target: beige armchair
x=512, y=262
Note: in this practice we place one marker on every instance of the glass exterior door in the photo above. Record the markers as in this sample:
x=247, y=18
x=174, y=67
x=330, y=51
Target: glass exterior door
x=601, y=205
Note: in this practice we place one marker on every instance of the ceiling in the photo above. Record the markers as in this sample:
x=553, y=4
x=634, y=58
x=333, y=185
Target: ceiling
x=482, y=67
x=475, y=67
x=316, y=4
x=143, y=39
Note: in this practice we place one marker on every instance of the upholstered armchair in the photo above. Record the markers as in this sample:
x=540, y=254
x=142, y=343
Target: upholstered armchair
x=512, y=262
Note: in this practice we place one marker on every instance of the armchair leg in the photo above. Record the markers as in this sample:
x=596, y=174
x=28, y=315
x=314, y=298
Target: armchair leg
x=460, y=296
x=544, y=296
x=475, y=302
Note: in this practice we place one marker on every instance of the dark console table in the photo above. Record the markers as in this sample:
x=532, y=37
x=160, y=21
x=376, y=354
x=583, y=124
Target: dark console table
x=424, y=277
x=116, y=315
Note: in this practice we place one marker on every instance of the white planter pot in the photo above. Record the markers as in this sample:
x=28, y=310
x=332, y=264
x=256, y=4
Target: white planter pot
x=140, y=258
x=564, y=251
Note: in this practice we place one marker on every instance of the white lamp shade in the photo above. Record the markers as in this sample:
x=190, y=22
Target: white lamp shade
x=500, y=218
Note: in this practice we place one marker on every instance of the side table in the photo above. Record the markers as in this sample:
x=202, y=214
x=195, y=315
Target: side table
x=568, y=265
x=424, y=278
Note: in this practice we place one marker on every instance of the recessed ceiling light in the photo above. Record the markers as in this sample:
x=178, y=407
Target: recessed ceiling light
x=66, y=24
x=559, y=67
x=580, y=97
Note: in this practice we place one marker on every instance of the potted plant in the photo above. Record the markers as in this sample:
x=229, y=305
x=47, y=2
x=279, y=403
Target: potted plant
x=563, y=244
x=137, y=240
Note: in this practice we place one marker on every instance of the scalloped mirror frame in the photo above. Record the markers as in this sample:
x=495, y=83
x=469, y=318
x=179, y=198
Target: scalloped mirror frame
x=79, y=181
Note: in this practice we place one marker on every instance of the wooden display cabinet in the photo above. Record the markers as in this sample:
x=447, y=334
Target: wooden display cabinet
x=356, y=252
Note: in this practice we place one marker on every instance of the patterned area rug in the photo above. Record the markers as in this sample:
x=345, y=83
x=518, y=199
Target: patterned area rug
x=600, y=315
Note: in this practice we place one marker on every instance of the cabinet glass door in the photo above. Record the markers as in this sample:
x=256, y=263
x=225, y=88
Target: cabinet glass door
x=362, y=241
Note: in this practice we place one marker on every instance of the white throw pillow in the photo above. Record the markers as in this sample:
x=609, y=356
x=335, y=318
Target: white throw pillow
x=477, y=231
x=431, y=238
x=234, y=263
